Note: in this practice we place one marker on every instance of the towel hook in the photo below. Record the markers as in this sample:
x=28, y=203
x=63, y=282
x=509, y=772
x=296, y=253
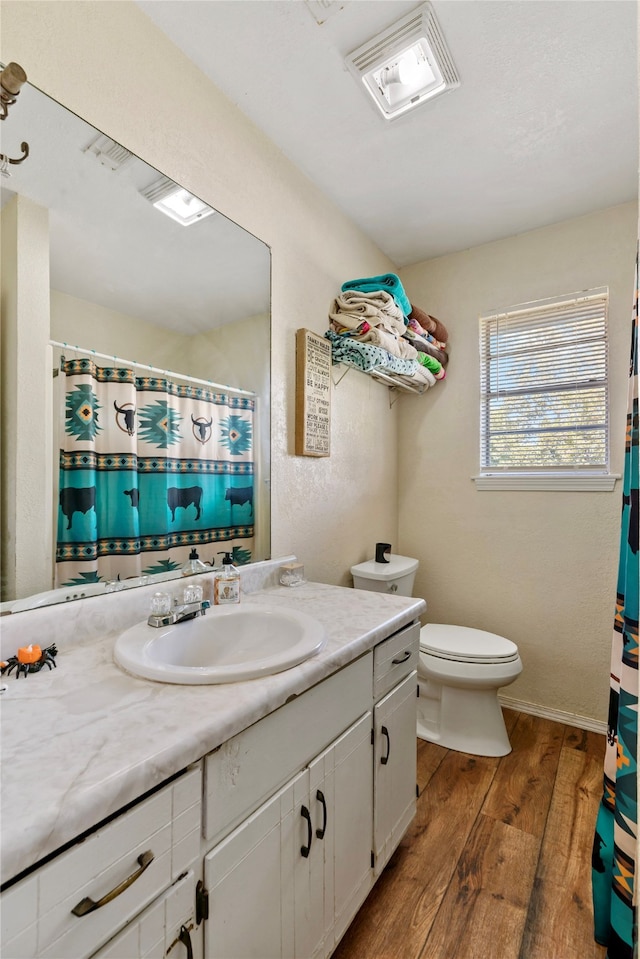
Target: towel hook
x=11, y=80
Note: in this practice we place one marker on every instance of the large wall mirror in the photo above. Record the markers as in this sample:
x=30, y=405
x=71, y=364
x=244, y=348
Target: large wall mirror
x=127, y=288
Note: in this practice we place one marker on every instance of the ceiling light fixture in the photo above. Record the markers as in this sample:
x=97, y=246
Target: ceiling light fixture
x=108, y=152
x=176, y=202
x=406, y=65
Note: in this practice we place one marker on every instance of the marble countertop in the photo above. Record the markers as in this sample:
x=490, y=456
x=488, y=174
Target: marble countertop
x=81, y=741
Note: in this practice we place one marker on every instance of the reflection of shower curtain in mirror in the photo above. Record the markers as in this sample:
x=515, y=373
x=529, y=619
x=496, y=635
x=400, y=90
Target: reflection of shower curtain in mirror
x=150, y=470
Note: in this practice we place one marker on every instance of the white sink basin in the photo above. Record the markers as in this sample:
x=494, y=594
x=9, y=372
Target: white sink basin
x=228, y=644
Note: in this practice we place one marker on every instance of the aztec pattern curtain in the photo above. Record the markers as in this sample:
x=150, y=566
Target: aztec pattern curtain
x=149, y=471
x=615, y=849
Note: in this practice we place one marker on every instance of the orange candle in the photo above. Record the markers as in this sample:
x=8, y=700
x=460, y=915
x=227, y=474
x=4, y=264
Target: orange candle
x=29, y=654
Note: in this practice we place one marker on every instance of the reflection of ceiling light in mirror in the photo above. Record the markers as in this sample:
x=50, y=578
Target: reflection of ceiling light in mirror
x=110, y=154
x=176, y=202
x=406, y=65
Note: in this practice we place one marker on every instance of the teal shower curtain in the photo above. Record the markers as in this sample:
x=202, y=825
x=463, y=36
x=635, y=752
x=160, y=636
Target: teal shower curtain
x=615, y=848
x=149, y=471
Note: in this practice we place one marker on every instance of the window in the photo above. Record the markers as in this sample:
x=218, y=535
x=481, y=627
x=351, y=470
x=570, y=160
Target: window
x=544, y=406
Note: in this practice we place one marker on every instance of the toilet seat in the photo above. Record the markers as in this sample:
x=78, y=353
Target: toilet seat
x=462, y=644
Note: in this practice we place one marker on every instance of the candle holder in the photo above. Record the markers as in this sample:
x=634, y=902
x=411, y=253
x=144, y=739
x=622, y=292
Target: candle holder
x=47, y=658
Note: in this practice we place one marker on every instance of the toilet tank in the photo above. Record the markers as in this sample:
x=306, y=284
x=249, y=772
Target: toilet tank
x=396, y=576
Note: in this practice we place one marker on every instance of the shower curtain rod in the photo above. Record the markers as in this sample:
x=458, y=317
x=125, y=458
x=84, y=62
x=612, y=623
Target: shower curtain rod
x=152, y=369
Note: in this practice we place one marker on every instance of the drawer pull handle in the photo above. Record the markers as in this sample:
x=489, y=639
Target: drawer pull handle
x=320, y=797
x=90, y=905
x=185, y=939
x=305, y=850
x=385, y=759
x=402, y=659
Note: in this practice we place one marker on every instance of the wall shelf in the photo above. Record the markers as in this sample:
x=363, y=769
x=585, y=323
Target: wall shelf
x=395, y=381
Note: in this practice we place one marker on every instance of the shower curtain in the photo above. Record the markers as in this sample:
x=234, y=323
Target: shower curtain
x=150, y=471
x=615, y=848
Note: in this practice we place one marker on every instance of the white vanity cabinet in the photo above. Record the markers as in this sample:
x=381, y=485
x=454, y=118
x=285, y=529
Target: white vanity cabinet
x=264, y=849
x=288, y=881
x=286, y=877
x=75, y=903
x=302, y=858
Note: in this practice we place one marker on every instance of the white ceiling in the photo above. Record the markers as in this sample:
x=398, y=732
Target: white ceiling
x=544, y=126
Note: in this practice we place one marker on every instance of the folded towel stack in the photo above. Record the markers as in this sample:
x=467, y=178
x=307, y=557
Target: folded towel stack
x=387, y=281
x=400, y=338
x=429, y=324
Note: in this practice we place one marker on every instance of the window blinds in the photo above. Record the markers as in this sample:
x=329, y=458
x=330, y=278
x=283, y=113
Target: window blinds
x=543, y=381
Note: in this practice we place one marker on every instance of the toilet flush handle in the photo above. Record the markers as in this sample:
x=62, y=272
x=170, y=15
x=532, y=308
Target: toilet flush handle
x=393, y=588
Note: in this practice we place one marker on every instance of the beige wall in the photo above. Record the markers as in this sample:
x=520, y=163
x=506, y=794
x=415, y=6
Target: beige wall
x=539, y=567
x=89, y=325
x=111, y=66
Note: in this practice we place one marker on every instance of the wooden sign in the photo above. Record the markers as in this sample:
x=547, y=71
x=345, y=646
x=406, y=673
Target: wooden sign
x=313, y=394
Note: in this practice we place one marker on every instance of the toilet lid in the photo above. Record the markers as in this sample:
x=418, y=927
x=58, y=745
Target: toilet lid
x=463, y=644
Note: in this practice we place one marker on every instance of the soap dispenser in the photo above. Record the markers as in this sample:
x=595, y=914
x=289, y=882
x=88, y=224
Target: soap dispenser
x=193, y=565
x=226, y=583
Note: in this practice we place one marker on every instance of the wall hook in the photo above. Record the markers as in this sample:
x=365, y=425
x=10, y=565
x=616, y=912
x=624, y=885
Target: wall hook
x=11, y=79
x=5, y=160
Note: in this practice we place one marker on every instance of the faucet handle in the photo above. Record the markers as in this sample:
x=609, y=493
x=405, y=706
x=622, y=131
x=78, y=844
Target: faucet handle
x=192, y=593
x=160, y=604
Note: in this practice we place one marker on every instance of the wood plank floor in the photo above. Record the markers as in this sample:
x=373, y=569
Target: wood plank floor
x=497, y=863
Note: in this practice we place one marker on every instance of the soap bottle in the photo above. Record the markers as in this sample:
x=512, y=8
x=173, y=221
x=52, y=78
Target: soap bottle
x=226, y=583
x=193, y=565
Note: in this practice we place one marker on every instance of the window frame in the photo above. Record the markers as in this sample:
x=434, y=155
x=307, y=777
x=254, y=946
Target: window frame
x=576, y=477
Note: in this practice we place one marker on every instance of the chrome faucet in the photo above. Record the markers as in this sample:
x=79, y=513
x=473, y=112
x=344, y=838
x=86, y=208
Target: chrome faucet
x=180, y=613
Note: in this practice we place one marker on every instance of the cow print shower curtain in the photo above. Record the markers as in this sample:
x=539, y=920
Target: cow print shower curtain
x=150, y=471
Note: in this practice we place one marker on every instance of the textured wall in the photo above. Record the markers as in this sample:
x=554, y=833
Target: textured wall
x=538, y=567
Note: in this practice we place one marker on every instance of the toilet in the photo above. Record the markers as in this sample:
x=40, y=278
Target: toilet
x=460, y=670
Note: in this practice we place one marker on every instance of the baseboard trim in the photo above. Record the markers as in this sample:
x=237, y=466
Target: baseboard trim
x=557, y=715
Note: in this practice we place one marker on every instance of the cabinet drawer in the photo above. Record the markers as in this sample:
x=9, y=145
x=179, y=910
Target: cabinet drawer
x=395, y=658
x=156, y=931
x=40, y=907
x=251, y=766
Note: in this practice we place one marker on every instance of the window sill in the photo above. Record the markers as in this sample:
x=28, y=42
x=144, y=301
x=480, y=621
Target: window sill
x=558, y=482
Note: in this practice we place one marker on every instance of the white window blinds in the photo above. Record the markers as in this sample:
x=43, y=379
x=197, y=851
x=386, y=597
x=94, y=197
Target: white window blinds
x=543, y=380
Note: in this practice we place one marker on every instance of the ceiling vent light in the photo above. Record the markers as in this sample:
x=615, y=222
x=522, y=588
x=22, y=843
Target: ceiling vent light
x=405, y=66
x=176, y=202
x=110, y=154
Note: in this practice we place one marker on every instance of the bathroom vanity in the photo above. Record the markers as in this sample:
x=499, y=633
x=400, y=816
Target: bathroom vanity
x=238, y=820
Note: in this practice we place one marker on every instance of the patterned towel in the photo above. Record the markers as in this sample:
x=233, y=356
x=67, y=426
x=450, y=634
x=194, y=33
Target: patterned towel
x=365, y=357
x=429, y=323
x=396, y=345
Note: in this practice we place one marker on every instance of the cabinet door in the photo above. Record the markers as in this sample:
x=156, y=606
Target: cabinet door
x=168, y=924
x=350, y=875
x=339, y=864
x=394, y=801
x=249, y=876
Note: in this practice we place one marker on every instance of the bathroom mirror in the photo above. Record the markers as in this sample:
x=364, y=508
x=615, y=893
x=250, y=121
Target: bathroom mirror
x=130, y=283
